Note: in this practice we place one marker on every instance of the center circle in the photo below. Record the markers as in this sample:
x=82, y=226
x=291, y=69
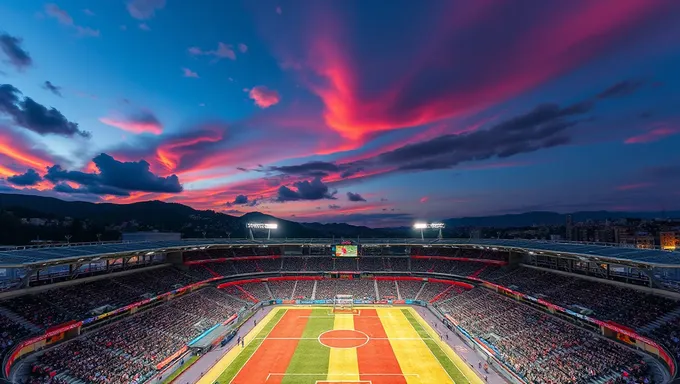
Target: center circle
x=343, y=338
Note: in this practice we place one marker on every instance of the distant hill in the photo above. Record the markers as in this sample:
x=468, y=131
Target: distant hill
x=158, y=215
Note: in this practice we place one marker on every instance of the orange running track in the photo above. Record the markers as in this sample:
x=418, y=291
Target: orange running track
x=376, y=357
x=275, y=355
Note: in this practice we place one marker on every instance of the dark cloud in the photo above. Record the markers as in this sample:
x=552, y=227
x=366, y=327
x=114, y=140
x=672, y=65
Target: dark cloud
x=623, y=88
x=242, y=200
x=34, y=116
x=383, y=199
x=351, y=172
x=543, y=127
x=31, y=177
x=16, y=55
x=355, y=197
x=90, y=189
x=311, y=169
x=333, y=206
x=52, y=88
x=305, y=190
x=115, y=178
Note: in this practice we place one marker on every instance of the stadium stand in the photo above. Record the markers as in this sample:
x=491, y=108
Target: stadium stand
x=409, y=289
x=541, y=348
x=387, y=290
x=538, y=346
x=128, y=351
x=258, y=290
x=293, y=264
x=304, y=289
x=622, y=305
x=282, y=289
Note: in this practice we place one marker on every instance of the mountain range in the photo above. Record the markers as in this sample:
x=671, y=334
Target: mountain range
x=157, y=215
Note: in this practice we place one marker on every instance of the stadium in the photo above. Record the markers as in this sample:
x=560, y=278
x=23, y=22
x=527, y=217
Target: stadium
x=338, y=311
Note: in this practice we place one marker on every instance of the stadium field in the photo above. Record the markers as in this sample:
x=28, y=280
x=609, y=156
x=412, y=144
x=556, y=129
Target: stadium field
x=312, y=345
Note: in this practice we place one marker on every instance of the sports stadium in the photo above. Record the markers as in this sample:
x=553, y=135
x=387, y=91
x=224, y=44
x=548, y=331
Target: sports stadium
x=338, y=311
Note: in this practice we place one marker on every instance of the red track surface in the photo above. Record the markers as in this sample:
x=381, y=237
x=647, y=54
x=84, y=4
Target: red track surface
x=275, y=355
x=377, y=356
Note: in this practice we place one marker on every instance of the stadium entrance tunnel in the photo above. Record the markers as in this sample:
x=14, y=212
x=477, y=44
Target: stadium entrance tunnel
x=343, y=338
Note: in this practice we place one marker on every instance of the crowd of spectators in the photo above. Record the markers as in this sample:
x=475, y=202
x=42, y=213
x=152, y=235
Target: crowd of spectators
x=360, y=288
x=318, y=264
x=129, y=350
x=10, y=333
x=458, y=252
x=439, y=291
x=325, y=289
x=626, y=306
x=372, y=264
x=304, y=289
x=669, y=336
x=76, y=302
x=387, y=290
x=293, y=264
x=345, y=264
x=409, y=289
x=282, y=289
x=257, y=290
x=536, y=345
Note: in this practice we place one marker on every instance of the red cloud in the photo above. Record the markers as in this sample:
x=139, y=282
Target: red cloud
x=447, y=78
x=16, y=149
x=264, y=97
x=653, y=135
x=146, y=123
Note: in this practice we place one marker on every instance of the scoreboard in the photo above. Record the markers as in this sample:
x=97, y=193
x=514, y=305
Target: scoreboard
x=345, y=250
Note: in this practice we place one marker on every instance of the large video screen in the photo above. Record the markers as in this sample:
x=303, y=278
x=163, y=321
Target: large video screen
x=346, y=251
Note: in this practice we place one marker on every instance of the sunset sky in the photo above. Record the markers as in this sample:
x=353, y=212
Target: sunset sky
x=368, y=112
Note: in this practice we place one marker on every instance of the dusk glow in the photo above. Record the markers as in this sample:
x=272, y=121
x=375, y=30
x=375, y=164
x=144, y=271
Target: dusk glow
x=344, y=110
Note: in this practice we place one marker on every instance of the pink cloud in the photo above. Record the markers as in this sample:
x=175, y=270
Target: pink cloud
x=189, y=73
x=424, y=199
x=243, y=48
x=142, y=123
x=629, y=187
x=655, y=134
x=144, y=9
x=264, y=97
x=223, y=51
x=279, y=10
x=53, y=11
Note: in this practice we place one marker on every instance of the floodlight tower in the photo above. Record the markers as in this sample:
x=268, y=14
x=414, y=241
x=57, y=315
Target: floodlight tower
x=267, y=226
x=423, y=226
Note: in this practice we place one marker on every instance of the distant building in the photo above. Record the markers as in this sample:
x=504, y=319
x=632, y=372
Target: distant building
x=669, y=240
x=570, y=223
x=476, y=234
x=151, y=236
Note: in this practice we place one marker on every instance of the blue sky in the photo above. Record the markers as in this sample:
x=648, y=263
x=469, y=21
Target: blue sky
x=451, y=109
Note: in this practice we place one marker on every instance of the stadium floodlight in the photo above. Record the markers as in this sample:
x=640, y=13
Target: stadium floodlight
x=267, y=226
x=423, y=226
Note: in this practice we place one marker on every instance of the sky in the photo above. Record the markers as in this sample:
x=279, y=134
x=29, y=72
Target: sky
x=374, y=113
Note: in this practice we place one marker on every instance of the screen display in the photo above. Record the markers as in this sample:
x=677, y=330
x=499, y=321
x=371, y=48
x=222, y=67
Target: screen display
x=346, y=251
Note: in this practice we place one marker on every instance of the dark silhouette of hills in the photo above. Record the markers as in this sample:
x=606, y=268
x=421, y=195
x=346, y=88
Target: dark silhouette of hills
x=90, y=219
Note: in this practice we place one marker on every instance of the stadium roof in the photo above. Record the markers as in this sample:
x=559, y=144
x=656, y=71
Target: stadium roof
x=38, y=256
